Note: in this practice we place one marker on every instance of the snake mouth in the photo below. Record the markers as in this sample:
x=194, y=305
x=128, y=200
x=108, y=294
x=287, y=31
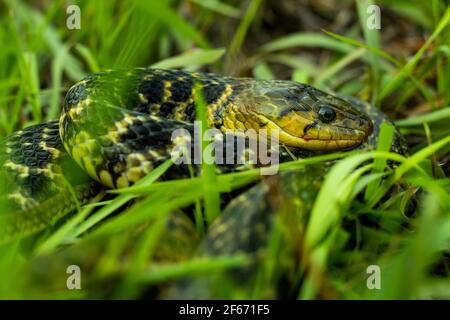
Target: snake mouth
x=321, y=144
x=337, y=138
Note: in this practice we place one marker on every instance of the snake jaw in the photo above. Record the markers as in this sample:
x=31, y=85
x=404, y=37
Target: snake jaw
x=308, y=134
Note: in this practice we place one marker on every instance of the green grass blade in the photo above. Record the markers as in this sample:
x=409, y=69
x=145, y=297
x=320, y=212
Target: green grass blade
x=209, y=177
x=384, y=144
x=239, y=36
x=305, y=39
x=191, y=59
x=408, y=68
x=430, y=117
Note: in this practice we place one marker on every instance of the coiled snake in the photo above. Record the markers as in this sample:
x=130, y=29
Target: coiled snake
x=116, y=127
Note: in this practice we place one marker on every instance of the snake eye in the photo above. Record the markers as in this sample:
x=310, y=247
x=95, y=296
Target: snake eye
x=326, y=114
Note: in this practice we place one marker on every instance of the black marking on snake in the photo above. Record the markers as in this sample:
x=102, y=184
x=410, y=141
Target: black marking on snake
x=28, y=153
x=167, y=109
x=26, y=149
x=211, y=92
x=286, y=111
x=76, y=94
x=190, y=112
x=152, y=89
x=310, y=126
x=181, y=90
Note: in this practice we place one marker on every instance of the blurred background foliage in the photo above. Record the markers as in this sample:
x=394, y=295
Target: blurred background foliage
x=403, y=68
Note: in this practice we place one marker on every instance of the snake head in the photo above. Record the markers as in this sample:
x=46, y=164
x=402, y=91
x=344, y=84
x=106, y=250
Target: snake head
x=305, y=117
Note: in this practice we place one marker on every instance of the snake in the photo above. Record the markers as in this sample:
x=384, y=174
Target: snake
x=116, y=126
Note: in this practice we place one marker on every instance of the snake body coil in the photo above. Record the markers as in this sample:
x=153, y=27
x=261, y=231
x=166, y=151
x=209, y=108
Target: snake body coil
x=116, y=127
